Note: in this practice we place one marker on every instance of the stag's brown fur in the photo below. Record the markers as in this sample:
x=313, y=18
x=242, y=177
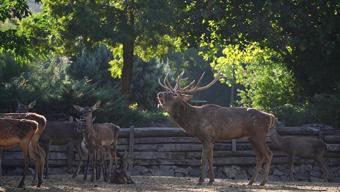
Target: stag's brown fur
x=36, y=152
x=211, y=123
x=18, y=132
x=305, y=147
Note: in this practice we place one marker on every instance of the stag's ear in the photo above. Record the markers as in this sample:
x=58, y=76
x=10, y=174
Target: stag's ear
x=187, y=97
x=77, y=120
x=77, y=107
x=93, y=119
x=32, y=104
x=96, y=106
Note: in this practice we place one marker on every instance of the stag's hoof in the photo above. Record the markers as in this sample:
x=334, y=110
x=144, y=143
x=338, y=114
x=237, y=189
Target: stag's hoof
x=250, y=183
x=263, y=183
x=21, y=185
x=211, y=182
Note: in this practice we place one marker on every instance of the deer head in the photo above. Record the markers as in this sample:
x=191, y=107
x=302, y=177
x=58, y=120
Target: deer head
x=86, y=112
x=176, y=94
x=22, y=108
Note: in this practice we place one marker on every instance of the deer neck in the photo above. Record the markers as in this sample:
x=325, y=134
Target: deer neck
x=91, y=132
x=183, y=114
x=276, y=138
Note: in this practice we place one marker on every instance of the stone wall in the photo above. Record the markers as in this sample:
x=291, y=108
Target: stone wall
x=171, y=152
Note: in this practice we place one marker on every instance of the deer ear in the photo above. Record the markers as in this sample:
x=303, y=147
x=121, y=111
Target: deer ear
x=93, y=119
x=96, y=106
x=77, y=107
x=187, y=97
x=32, y=104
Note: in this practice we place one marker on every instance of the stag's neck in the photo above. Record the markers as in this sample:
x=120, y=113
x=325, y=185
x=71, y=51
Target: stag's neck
x=184, y=115
x=277, y=139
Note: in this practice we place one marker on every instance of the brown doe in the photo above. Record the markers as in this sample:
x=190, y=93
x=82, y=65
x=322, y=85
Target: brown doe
x=18, y=132
x=36, y=152
x=305, y=147
x=211, y=123
x=101, y=140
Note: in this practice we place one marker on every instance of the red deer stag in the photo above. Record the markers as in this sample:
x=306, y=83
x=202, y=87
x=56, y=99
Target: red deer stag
x=36, y=152
x=211, y=123
x=18, y=132
x=305, y=147
x=101, y=140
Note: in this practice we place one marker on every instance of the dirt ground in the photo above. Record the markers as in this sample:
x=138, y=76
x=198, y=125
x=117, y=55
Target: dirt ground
x=61, y=183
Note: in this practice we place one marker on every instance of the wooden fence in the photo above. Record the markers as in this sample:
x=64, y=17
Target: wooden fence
x=162, y=146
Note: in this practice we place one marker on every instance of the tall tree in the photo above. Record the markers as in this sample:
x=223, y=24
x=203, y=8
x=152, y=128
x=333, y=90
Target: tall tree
x=137, y=27
x=305, y=33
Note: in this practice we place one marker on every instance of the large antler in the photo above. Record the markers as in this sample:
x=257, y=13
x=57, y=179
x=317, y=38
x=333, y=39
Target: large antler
x=192, y=87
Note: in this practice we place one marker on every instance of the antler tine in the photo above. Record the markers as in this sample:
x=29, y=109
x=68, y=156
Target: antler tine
x=178, y=81
x=162, y=85
x=189, y=85
x=196, y=88
x=167, y=82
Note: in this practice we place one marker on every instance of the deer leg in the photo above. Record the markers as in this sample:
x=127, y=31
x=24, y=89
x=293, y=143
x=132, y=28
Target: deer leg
x=81, y=158
x=267, y=162
x=24, y=149
x=259, y=161
x=42, y=157
x=47, y=151
x=291, y=166
x=323, y=167
x=204, y=158
x=87, y=166
x=94, y=163
x=69, y=156
x=210, y=154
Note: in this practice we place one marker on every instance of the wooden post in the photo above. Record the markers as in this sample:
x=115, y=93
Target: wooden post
x=233, y=145
x=70, y=155
x=131, y=143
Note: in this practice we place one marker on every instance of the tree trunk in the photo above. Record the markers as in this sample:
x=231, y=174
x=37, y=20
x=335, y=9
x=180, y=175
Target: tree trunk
x=128, y=48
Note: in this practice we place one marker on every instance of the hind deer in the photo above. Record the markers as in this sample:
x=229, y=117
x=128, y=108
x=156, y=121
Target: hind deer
x=211, y=123
x=36, y=152
x=305, y=147
x=18, y=132
x=101, y=140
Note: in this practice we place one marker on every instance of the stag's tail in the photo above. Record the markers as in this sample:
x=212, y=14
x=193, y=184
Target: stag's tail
x=272, y=121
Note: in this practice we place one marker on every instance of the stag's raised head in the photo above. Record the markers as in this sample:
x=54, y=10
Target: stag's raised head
x=175, y=94
x=22, y=108
x=86, y=112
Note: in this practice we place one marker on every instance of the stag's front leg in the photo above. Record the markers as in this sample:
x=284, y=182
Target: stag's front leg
x=204, y=158
x=210, y=155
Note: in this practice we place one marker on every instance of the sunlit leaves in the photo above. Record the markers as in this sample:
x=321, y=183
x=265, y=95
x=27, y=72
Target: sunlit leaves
x=266, y=82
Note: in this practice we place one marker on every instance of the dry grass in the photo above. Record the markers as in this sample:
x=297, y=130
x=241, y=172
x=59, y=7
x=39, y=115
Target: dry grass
x=61, y=183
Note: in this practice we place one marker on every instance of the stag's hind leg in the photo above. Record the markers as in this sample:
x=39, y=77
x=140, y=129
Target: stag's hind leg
x=323, y=167
x=268, y=155
x=259, y=162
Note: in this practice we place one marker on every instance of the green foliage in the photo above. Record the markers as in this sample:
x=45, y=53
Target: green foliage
x=145, y=83
x=266, y=82
x=9, y=68
x=92, y=64
x=304, y=33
